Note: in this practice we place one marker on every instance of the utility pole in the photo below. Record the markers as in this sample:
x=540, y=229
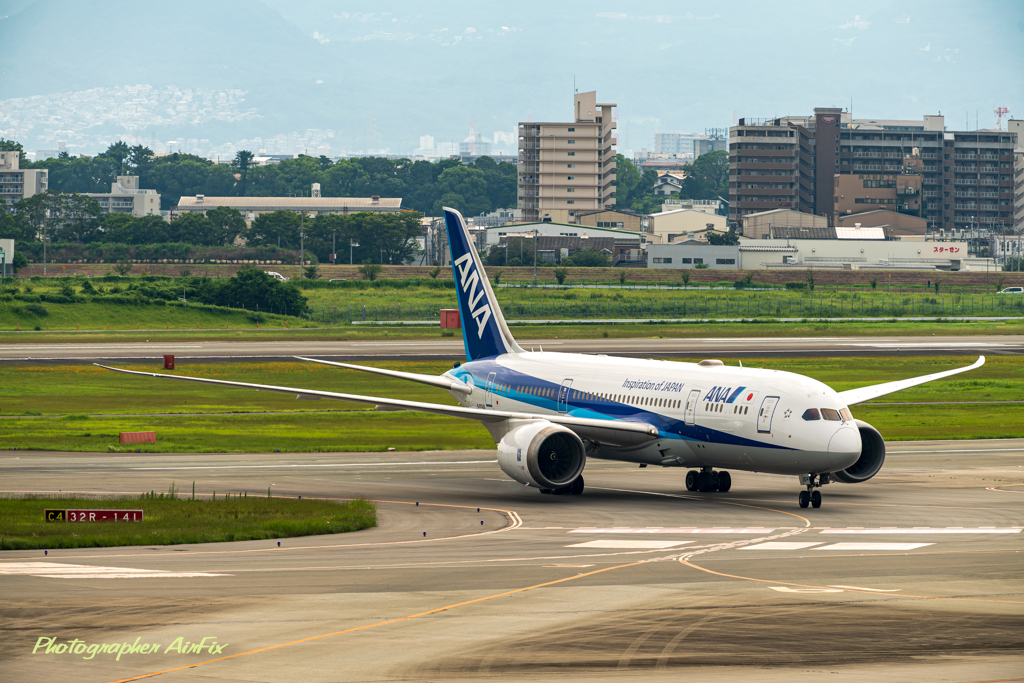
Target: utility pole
x=535, y=238
x=334, y=248
x=302, y=243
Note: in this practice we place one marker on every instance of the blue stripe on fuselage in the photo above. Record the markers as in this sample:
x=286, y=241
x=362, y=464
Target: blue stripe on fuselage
x=668, y=427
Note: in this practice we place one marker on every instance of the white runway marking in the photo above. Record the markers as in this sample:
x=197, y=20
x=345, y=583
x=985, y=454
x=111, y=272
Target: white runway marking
x=669, y=530
x=333, y=464
x=948, y=530
x=873, y=590
x=780, y=545
x=787, y=589
x=646, y=545
x=874, y=546
x=54, y=570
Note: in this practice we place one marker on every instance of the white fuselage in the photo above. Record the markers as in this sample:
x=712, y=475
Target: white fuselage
x=706, y=415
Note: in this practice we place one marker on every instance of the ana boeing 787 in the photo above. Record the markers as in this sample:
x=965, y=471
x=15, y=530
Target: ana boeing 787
x=549, y=412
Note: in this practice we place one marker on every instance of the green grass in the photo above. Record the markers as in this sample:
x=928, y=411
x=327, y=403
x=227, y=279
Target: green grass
x=201, y=418
x=174, y=520
x=334, y=305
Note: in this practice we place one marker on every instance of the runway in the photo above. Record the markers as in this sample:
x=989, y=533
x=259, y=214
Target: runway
x=453, y=349
x=914, y=575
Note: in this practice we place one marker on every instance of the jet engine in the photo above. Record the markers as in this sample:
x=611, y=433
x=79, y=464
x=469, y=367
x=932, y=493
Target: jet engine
x=541, y=454
x=872, y=455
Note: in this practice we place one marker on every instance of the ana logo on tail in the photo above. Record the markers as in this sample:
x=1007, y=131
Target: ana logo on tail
x=473, y=292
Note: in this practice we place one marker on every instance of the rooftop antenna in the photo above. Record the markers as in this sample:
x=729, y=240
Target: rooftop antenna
x=1000, y=112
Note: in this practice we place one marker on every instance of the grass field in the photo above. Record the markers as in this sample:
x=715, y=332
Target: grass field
x=198, y=418
x=173, y=520
x=36, y=306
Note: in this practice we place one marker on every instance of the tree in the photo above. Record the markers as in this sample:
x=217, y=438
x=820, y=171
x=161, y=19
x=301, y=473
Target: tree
x=723, y=239
x=463, y=188
x=561, y=274
x=18, y=261
x=230, y=223
x=370, y=270
x=312, y=271
x=277, y=228
x=685, y=276
x=118, y=152
x=242, y=162
x=622, y=277
x=122, y=267
x=195, y=228
x=587, y=258
x=253, y=289
x=708, y=176
x=61, y=216
x=809, y=279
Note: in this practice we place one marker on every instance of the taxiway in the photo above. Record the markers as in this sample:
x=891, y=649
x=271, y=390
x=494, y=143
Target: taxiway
x=914, y=575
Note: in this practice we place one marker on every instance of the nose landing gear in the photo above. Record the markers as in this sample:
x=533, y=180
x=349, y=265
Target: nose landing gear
x=708, y=480
x=812, y=497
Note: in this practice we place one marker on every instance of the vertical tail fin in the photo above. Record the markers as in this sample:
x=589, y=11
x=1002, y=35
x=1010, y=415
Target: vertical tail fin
x=483, y=327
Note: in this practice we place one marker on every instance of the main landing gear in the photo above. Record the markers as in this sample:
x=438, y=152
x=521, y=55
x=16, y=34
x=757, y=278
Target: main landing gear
x=708, y=480
x=575, y=488
x=811, y=496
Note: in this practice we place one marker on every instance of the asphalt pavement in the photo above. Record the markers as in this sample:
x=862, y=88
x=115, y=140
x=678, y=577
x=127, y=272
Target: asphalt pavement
x=916, y=574
x=86, y=352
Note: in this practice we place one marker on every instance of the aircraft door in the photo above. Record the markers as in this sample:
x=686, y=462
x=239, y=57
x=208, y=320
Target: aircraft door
x=764, y=416
x=690, y=416
x=563, y=395
x=490, y=386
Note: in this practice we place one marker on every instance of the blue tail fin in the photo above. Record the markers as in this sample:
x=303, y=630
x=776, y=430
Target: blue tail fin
x=483, y=327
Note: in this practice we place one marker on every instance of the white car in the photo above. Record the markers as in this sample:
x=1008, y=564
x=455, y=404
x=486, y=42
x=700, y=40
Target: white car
x=1012, y=290
x=277, y=276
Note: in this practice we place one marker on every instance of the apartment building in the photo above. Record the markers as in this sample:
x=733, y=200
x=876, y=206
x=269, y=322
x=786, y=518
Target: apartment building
x=126, y=197
x=1016, y=126
x=16, y=182
x=569, y=167
x=966, y=176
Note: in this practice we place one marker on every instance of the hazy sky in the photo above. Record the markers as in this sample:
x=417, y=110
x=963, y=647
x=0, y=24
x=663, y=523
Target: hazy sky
x=395, y=70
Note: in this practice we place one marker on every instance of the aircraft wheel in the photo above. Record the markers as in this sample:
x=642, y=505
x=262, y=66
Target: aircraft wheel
x=547, y=491
x=691, y=480
x=709, y=481
x=816, y=499
x=576, y=487
x=805, y=499
x=724, y=481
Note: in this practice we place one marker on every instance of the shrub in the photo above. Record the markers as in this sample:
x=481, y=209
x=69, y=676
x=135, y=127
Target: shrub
x=36, y=309
x=370, y=270
x=796, y=285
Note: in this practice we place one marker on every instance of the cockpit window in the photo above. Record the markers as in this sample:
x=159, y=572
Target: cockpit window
x=845, y=412
x=832, y=415
x=811, y=414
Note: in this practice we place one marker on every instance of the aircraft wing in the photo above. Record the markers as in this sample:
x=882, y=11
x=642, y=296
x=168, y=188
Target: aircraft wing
x=854, y=396
x=432, y=380
x=610, y=432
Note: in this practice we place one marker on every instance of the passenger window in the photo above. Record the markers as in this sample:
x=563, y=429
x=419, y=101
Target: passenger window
x=831, y=415
x=811, y=414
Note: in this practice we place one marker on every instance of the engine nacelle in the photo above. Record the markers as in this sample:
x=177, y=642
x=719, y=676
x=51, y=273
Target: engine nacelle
x=541, y=454
x=872, y=456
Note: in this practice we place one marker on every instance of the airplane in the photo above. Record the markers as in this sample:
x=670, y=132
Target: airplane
x=549, y=412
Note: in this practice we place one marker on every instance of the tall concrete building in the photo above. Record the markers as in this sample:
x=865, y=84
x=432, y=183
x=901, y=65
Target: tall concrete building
x=1017, y=126
x=790, y=162
x=16, y=182
x=567, y=168
x=705, y=145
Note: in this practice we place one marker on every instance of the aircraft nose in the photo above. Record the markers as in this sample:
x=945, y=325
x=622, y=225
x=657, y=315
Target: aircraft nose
x=846, y=440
